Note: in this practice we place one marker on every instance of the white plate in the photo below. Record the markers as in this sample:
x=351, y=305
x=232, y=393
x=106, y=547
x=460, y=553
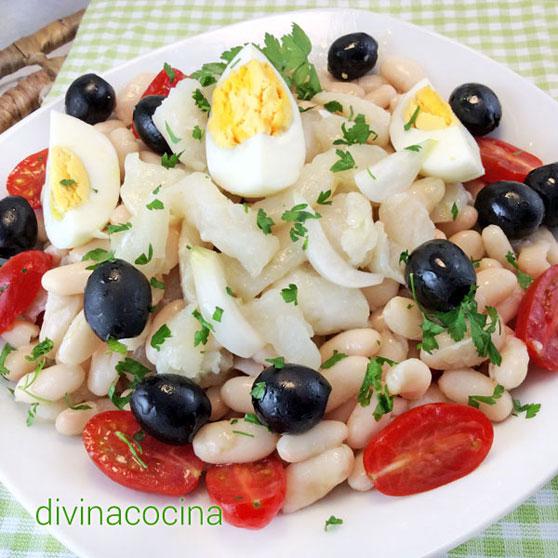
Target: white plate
x=37, y=464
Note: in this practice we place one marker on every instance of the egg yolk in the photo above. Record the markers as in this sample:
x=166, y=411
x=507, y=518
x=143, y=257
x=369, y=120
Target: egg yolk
x=69, y=181
x=433, y=112
x=252, y=100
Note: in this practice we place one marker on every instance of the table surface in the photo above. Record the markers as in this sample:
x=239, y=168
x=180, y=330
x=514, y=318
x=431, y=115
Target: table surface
x=522, y=34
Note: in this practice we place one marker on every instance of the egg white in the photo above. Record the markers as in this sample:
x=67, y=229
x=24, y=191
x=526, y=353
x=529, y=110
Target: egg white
x=263, y=164
x=456, y=155
x=97, y=154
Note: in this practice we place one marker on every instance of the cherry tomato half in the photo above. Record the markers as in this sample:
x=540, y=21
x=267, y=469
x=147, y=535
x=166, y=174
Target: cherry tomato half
x=20, y=282
x=504, y=161
x=537, y=320
x=28, y=177
x=427, y=447
x=162, y=82
x=250, y=494
x=156, y=467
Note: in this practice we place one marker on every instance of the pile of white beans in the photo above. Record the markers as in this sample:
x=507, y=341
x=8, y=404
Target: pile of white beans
x=331, y=452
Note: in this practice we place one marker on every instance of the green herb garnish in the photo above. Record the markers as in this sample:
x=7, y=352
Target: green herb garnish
x=416, y=148
x=218, y=314
x=6, y=350
x=156, y=284
x=412, y=120
x=277, y=362
x=169, y=70
x=172, y=136
x=331, y=521
x=372, y=383
x=134, y=447
x=99, y=256
x=68, y=182
x=290, y=294
x=358, y=133
x=197, y=133
x=143, y=259
x=530, y=409
x=345, y=161
x=334, y=106
x=40, y=349
x=75, y=406
x=116, y=346
x=404, y=256
x=170, y=161
x=201, y=336
x=155, y=205
x=31, y=414
x=523, y=279
x=324, y=198
x=160, y=336
x=264, y=222
x=201, y=102
x=333, y=359
x=476, y=400
x=113, y=229
x=258, y=390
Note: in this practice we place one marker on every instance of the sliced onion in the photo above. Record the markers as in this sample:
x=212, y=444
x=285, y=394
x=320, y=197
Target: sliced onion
x=233, y=331
x=330, y=265
x=391, y=175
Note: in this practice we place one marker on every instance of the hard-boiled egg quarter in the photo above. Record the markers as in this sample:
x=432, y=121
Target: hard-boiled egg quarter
x=82, y=182
x=254, y=141
x=422, y=114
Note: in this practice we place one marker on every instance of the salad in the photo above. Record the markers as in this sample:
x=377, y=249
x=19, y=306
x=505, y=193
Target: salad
x=273, y=278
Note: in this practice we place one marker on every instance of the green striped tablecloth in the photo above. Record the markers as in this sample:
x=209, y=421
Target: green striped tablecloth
x=520, y=33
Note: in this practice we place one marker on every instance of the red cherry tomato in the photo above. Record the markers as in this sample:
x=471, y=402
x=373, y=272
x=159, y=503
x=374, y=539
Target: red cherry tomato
x=537, y=320
x=167, y=470
x=20, y=282
x=427, y=447
x=504, y=161
x=162, y=83
x=28, y=177
x=250, y=494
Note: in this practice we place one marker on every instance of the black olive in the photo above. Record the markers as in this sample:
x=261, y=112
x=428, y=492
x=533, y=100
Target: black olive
x=18, y=226
x=544, y=181
x=517, y=209
x=290, y=399
x=117, y=300
x=442, y=275
x=90, y=98
x=351, y=56
x=477, y=106
x=145, y=127
x=170, y=407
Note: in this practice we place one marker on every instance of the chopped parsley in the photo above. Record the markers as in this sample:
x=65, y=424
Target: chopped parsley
x=258, y=390
x=290, y=294
x=334, y=106
x=99, y=256
x=372, y=383
x=530, y=409
x=230, y=292
x=454, y=211
x=476, y=400
x=404, y=256
x=298, y=215
x=523, y=279
x=156, y=284
x=334, y=359
x=416, y=148
x=264, y=222
x=412, y=120
x=358, y=133
x=68, y=182
x=113, y=229
x=155, y=205
x=370, y=174
x=218, y=314
x=116, y=346
x=345, y=161
x=31, y=379
x=170, y=161
x=201, y=335
x=6, y=350
x=157, y=190
x=277, y=362
x=169, y=70
x=40, y=350
x=242, y=433
x=324, y=198
x=252, y=418
x=75, y=406
x=210, y=73
x=143, y=259
x=31, y=414
x=201, y=102
x=197, y=133
x=133, y=446
x=172, y=136
x=331, y=521
x=160, y=336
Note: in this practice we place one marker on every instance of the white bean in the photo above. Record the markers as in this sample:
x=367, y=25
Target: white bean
x=514, y=366
x=51, y=384
x=429, y=191
x=470, y=242
x=466, y=219
x=236, y=394
x=343, y=412
x=403, y=317
x=533, y=259
x=394, y=102
x=67, y=279
x=410, y=379
x=509, y=307
x=79, y=342
x=459, y=385
x=124, y=143
x=433, y=395
x=379, y=295
x=164, y=315
x=393, y=346
x=382, y=96
x=497, y=244
x=150, y=157
x=17, y=364
x=218, y=407
x=49, y=411
x=109, y=125
x=354, y=342
x=248, y=366
x=440, y=235
x=402, y=73
x=59, y=313
x=345, y=378
x=359, y=479
x=102, y=371
x=55, y=253
x=494, y=286
x=376, y=320
x=348, y=87
x=488, y=263
x=120, y=215
x=243, y=442
x=298, y=447
x=71, y=422
x=76, y=254
x=310, y=480
x=128, y=97
x=21, y=333
x=371, y=82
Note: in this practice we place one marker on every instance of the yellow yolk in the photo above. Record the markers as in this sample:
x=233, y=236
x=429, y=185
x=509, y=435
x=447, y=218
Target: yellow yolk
x=69, y=181
x=252, y=100
x=433, y=114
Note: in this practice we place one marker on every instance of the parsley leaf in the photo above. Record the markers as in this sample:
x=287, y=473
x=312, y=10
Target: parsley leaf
x=334, y=359
x=7, y=349
x=143, y=259
x=170, y=161
x=218, y=314
x=98, y=255
x=359, y=132
x=290, y=294
x=373, y=383
x=172, y=136
x=264, y=222
x=209, y=73
x=454, y=211
x=202, y=334
x=67, y=182
x=258, y=390
x=31, y=414
x=298, y=215
x=40, y=349
x=112, y=229
x=242, y=433
x=155, y=205
x=133, y=446
x=334, y=106
x=324, y=198
x=160, y=336
x=230, y=292
x=156, y=284
x=523, y=279
x=404, y=256
x=345, y=161
x=201, y=102
x=331, y=521
x=476, y=400
x=116, y=346
x=416, y=148
x=412, y=120
x=197, y=133
x=530, y=409
x=277, y=362
x=169, y=70
x=75, y=406
x=252, y=418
